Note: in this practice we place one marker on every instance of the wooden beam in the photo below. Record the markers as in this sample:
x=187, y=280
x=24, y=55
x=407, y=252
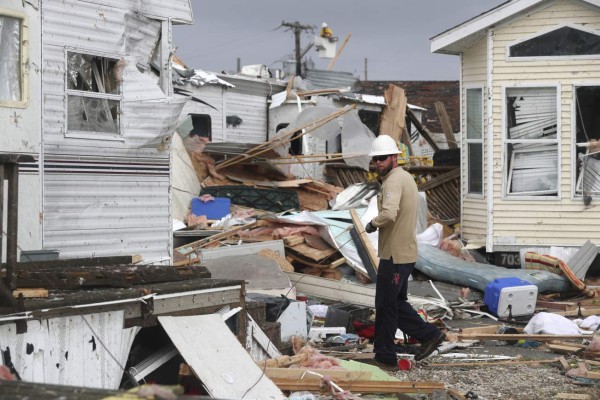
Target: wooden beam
x=428, y=136
x=446, y=124
x=339, y=52
x=362, y=234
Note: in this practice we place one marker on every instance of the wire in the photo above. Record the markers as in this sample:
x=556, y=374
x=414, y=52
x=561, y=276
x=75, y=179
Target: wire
x=280, y=310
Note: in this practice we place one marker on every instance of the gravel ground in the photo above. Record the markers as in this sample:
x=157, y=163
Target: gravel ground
x=501, y=382
x=490, y=382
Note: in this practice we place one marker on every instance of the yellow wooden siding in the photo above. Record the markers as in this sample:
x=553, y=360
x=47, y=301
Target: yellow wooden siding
x=545, y=222
x=474, y=74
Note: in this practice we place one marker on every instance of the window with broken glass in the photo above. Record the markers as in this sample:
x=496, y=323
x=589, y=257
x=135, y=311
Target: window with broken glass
x=587, y=141
x=93, y=94
x=474, y=131
x=11, y=49
x=531, y=142
x=561, y=42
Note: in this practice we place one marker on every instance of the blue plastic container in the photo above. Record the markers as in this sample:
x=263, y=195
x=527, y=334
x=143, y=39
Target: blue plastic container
x=493, y=291
x=214, y=209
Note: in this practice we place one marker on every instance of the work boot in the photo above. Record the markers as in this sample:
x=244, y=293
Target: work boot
x=388, y=365
x=430, y=346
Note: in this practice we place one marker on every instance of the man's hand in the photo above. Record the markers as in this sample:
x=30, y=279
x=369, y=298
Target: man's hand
x=369, y=228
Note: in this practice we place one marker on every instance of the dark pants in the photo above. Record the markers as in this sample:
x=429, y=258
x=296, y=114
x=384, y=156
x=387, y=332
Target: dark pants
x=393, y=311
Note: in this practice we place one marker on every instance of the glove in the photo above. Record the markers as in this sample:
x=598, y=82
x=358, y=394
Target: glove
x=370, y=228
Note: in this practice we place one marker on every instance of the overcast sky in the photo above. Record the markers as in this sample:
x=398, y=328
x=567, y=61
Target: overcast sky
x=392, y=34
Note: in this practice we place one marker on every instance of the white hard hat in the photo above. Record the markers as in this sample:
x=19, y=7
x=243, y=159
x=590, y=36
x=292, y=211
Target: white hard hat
x=324, y=25
x=383, y=145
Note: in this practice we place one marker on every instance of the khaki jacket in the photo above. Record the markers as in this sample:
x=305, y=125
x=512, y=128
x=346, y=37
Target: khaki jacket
x=397, y=203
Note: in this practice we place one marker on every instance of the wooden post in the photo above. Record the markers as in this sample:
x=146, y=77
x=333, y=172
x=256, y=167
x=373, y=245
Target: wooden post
x=446, y=124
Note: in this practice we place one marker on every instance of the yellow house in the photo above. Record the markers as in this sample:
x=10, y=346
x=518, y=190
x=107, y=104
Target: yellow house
x=530, y=113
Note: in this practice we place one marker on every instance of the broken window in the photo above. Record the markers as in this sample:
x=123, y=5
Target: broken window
x=587, y=144
x=531, y=145
x=475, y=140
x=11, y=48
x=565, y=41
x=201, y=125
x=93, y=93
x=372, y=119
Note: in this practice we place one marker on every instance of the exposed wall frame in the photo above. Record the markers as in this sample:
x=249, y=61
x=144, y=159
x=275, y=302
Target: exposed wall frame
x=551, y=58
x=23, y=58
x=505, y=167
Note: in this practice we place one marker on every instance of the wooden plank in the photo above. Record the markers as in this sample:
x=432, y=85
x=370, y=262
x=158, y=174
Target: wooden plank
x=573, y=396
x=339, y=52
x=362, y=234
x=191, y=247
x=312, y=253
x=446, y=124
x=293, y=240
x=393, y=117
x=213, y=352
x=556, y=305
x=362, y=386
x=488, y=363
x=301, y=373
x=536, y=337
x=31, y=293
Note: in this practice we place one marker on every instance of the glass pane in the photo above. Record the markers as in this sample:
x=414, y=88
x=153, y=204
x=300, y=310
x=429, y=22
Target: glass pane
x=92, y=73
x=92, y=115
x=565, y=41
x=475, y=168
x=474, y=116
x=531, y=113
x=533, y=171
x=10, y=59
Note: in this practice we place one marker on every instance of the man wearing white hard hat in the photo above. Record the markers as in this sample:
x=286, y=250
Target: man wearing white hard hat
x=396, y=221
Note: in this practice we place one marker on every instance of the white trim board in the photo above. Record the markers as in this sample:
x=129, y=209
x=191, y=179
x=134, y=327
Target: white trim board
x=218, y=359
x=445, y=41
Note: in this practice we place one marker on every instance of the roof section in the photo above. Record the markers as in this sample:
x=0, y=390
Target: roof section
x=457, y=39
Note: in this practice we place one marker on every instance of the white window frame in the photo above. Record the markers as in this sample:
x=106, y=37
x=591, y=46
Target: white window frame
x=94, y=95
x=475, y=141
x=573, y=164
x=506, y=141
x=508, y=57
x=24, y=74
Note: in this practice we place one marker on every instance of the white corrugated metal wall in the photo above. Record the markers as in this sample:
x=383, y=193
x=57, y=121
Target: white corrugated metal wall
x=107, y=197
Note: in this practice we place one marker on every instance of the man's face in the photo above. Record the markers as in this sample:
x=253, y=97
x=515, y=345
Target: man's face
x=384, y=164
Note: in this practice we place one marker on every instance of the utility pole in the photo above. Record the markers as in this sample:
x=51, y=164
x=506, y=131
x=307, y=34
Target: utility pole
x=366, y=78
x=297, y=29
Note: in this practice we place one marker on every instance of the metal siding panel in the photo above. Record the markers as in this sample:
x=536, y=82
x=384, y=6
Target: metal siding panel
x=90, y=215
x=253, y=112
x=213, y=95
x=177, y=10
x=64, y=352
x=92, y=26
